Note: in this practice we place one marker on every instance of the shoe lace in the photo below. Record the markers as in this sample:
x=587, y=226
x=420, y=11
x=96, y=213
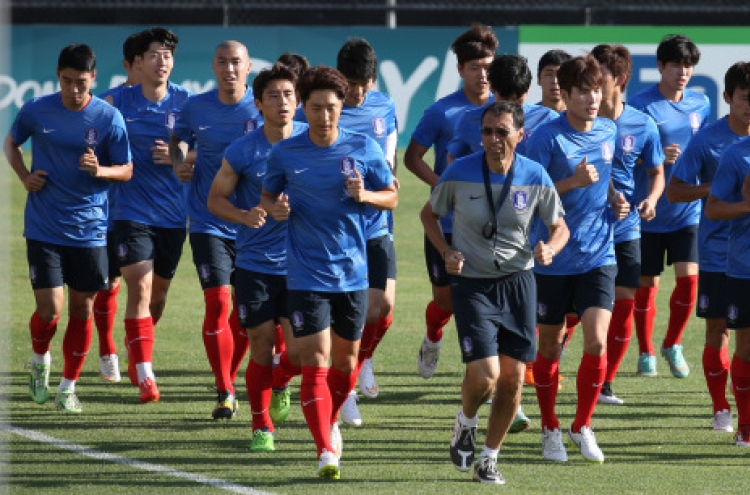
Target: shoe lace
x=488, y=465
x=552, y=440
x=69, y=400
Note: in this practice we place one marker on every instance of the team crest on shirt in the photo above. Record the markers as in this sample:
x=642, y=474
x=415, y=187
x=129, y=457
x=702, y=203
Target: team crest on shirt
x=541, y=310
x=297, y=320
x=122, y=250
x=703, y=302
x=467, y=345
x=695, y=121
x=347, y=166
x=170, y=119
x=32, y=273
x=204, y=271
x=607, y=152
x=732, y=312
x=628, y=144
x=520, y=200
x=91, y=136
x=249, y=126
x=378, y=126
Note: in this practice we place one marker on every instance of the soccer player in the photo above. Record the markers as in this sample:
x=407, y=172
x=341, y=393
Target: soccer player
x=679, y=113
x=316, y=183
x=78, y=144
x=729, y=199
x=493, y=285
x=150, y=217
x=296, y=62
x=637, y=146
x=546, y=76
x=475, y=49
x=692, y=176
x=260, y=273
x=213, y=120
x=577, y=151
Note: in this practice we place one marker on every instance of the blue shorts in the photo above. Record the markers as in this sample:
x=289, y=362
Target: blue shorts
x=435, y=263
x=680, y=246
x=628, y=255
x=213, y=257
x=738, y=303
x=558, y=295
x=138, y=242
x=712, y=295
x=312, y=312
x=261, y=297
x=496, y=316
x=83, y=269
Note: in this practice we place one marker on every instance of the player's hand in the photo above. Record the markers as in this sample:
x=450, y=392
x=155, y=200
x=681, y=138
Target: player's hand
x=543, y=254
x=279, y=211
x=620, y=206
x=160, y=153
x=89, y=163
x=35, y=181
x=355, y=187
x=184, y=171
x=255, y=218
x=672, y=152
x=585, y=174
x=396, y=183
x=646, y=210
x=454, y=261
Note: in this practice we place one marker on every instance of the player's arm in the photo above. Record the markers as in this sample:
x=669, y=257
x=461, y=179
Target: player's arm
x=431, y=221
x=414, y=161
x=559, y=234
x=276, y=205
x=583, y=175
x=383, y=199
x=220, y=205
x=180, y=160
x=718, y=209
x=654, y=190
x=679, y=191
x=31, y=181
x=89, y=162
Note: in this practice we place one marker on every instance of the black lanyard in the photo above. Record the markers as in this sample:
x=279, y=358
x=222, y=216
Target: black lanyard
x=488, y=190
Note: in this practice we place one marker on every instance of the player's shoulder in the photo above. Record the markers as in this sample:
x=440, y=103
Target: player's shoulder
x=695, y=97
x=530, y=172
x=379, y=98
x=644, y=97
x=179, y=91
x=465, y=169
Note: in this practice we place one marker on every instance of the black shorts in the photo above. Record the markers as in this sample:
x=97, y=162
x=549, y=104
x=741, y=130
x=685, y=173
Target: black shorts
x=435, y=262
x=261, y=297
x=628, y=255
x=138, y=242
x=377, y=261
x=738, y=303
x=112, y=263
x=680, y=246
x=712, y=295
x=214, y=259
x=312, y=312
x=558, y=295
x=496, y=316
x=83, y=269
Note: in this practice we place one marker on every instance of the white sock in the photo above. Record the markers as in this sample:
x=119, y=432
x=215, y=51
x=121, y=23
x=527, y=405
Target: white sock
x=45, y=358
x=144, y=371
x=470, y=422
x=66, y=384
x=488, y=452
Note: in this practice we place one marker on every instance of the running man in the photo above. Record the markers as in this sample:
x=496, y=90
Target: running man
x=546, y=78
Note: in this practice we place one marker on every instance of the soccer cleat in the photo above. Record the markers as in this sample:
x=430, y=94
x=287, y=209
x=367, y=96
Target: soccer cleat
x=349, y=410
x=463, y=445
x=528, y=377
x=552, y=445
x=68, y=402
x=262, y=441
x=39, y=382
x=280, y=406
x=606, y=396
x=367, y=384
x=149, y=392
x=585, y=441
x=226, y=406
x=109, y=368
x=646, y=365
x=520, y=422
x=337, y=442
x=428, y=357
x=328, y=466
x=742, y=437
x=676, y=360
x=485, y=471
x=723, y=421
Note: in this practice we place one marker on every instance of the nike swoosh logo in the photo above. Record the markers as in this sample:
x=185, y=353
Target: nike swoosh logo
x=474, y=197
x=47, y=131
x=81, y=354
x=299, y=171
x=570, y=156
x=203, y=127
x=307, y=403
x=713, y=373
x=260, y=174
x=661, y=122
x=130, y=120
x=595, y=385
x=217, y=332
x=740, y=389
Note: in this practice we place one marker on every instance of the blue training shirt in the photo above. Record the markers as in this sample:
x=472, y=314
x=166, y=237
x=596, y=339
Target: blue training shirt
x=112, y=192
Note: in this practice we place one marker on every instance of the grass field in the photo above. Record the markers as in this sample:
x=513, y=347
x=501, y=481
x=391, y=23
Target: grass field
x=660, y=441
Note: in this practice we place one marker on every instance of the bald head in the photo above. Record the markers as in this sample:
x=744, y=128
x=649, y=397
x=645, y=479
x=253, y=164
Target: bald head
x=231, y=66
x=231, y=45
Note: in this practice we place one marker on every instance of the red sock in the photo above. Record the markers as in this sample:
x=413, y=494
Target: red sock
x=382, y=327
x=279, y=343
x=436, y=319
x=315, y=397
x=588, y=384
x=680, y=308
x=217, y=336
x=645, y=313
x=340, y=385
x=367, y=341
x=570, y=327
x=741, y=382
x=139, y=334
x=258, y=379
x=716, y=371
x=241, y=342
x=41, y=333
x=284, y=372
x=75, y=346
x=618, y=336
x=546, y=380
x=105, y=311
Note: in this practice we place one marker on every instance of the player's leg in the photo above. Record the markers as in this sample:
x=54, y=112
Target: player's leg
x=644, y=312
x=738, y=319
x=438, y=311
x=105, y=314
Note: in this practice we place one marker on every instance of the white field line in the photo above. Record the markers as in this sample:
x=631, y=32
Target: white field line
x=145, y=466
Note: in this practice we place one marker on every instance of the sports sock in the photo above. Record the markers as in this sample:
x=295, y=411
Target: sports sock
x=436, y=319
x=217, y=336
x=571, y=321
x=366, y=343
x=680, y=308
x=741, y=381
x=240, y=339
x=716, y=372
x=382, y=326
x=644, y=314
x=279, y=342
x=467, y=421
x=488, y=452
x=339, y=384
x=546, y=381
x=65, y=384
x=619, y=335
x=75, y=346
x=258, y=379
x=145, y=371
x=45, y=359
x=41, y=333
x=140, y=339
x=315, y=397
x=284, y=371
x=105, y=312
x=589, y=385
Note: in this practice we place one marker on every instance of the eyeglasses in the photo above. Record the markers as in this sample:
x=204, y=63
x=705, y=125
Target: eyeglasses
x=489, y=131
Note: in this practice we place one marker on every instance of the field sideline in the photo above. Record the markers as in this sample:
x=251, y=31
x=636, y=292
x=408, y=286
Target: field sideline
x=659, y=441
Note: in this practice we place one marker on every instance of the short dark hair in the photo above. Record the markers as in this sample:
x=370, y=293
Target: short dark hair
x=276, y=72
x=296, y=62
x=157, y=35
x=77, y=57
x=130, y=48
x=617, y=60
x=509, y=76
x=322, y=77
x=580, y=72
x=552, y=57
x=478, y=42
x=737, y=77
x=498, y=108
x=357, y=60
x=678, y=48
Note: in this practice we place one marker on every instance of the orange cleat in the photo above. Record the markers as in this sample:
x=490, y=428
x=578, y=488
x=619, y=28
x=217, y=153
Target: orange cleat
x=149, y=392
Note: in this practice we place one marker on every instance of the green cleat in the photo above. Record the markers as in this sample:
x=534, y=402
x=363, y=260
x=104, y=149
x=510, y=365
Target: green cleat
x=646, y=365
x=39, y=382
x=262, y=441
x=520, y=422
x=281, y=404
x=676, y=360
x=68, y=402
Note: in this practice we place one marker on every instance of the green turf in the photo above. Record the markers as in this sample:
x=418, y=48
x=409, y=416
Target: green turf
x=660, y=441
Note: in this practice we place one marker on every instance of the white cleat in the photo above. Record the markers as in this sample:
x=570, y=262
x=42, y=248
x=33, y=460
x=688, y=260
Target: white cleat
x=109, y=368
x=350, y=412
x=428, y=357
x=552, y=445
x=723, y=421
x=367, y=384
